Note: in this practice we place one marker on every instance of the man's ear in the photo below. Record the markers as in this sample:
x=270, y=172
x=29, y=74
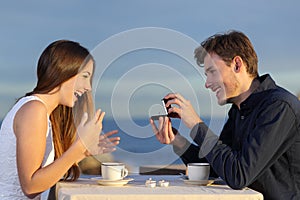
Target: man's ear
x=238, y=62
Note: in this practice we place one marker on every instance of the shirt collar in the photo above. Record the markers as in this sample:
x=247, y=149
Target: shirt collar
x=266, y=83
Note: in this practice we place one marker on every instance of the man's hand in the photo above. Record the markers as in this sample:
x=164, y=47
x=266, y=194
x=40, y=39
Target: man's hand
x=164, y=133
x=184, y=109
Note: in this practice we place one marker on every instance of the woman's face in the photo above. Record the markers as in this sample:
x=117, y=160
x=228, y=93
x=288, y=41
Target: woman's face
x=76, y=86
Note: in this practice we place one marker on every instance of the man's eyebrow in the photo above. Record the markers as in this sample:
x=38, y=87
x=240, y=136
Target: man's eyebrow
x=208, y=69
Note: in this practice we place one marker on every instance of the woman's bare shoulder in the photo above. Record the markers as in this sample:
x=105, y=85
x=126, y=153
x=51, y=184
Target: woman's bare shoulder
x=33, y=107
x=33, y=115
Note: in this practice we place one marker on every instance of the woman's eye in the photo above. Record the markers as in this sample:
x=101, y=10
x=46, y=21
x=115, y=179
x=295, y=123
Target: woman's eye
x=85, y=76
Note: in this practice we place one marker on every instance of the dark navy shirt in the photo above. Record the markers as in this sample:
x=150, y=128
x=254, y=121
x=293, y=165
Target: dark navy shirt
x=259, y=146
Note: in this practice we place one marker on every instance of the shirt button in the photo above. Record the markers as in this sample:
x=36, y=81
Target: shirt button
x=242, y=117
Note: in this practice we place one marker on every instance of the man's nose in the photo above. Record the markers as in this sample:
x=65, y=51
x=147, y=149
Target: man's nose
x=207, y=84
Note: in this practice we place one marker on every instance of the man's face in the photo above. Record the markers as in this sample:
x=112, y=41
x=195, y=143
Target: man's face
x=220, y=78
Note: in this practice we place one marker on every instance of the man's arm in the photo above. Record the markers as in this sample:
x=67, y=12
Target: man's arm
x=270, y=137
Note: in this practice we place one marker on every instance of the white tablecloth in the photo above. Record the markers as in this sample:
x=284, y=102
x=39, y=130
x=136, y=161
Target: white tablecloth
x=87, y=189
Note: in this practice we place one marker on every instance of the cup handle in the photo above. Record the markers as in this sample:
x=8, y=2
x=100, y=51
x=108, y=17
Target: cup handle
x=124, y=173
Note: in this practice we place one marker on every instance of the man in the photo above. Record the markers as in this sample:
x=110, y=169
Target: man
x=259, y=145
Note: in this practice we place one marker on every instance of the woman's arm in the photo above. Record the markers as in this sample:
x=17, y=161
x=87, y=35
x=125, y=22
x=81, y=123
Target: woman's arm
x=30, y=127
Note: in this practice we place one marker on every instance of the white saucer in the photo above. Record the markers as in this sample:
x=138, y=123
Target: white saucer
x=200, y=182
x=113, y=183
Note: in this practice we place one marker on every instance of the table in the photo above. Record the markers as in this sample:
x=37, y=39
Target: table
x=89, y=189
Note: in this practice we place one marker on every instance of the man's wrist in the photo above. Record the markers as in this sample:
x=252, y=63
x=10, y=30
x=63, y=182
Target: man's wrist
x=198, y=121
x=179, y=141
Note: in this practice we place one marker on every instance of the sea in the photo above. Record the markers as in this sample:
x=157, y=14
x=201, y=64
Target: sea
x=139, y=146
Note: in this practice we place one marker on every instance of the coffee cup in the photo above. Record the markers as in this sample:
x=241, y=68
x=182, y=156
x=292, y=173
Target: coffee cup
x=198, y=171
x=113, y=171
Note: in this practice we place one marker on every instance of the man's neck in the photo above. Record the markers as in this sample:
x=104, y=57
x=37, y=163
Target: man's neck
x=244, y=95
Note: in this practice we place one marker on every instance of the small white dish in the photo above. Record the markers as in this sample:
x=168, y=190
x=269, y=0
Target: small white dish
x=163, y=183
x=105, y=182
x=150, y=183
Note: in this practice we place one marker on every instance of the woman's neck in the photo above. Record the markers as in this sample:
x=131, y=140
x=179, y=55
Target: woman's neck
x=50, y=101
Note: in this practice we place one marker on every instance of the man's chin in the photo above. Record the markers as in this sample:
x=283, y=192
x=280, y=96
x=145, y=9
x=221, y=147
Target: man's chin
x=222, y=102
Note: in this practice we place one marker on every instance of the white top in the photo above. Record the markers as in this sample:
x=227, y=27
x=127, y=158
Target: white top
x=9, y=181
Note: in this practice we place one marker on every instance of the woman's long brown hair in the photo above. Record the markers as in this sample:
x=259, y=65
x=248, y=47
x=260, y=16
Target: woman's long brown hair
x=59, y=62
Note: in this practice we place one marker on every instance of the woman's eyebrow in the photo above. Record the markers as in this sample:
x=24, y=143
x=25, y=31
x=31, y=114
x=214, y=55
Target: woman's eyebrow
x=89, y=73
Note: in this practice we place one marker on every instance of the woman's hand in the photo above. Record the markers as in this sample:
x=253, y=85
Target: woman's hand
x=106, y=143
x=89, y=133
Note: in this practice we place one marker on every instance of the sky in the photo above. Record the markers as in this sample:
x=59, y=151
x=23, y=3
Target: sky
x=144, y=49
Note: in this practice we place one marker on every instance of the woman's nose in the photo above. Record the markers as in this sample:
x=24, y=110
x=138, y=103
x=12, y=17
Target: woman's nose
x=88, y=87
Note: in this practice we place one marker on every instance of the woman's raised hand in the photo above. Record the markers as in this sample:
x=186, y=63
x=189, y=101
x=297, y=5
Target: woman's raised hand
x=89, y=133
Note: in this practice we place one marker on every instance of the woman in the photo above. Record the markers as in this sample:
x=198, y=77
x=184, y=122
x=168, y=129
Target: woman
x=38, y=140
